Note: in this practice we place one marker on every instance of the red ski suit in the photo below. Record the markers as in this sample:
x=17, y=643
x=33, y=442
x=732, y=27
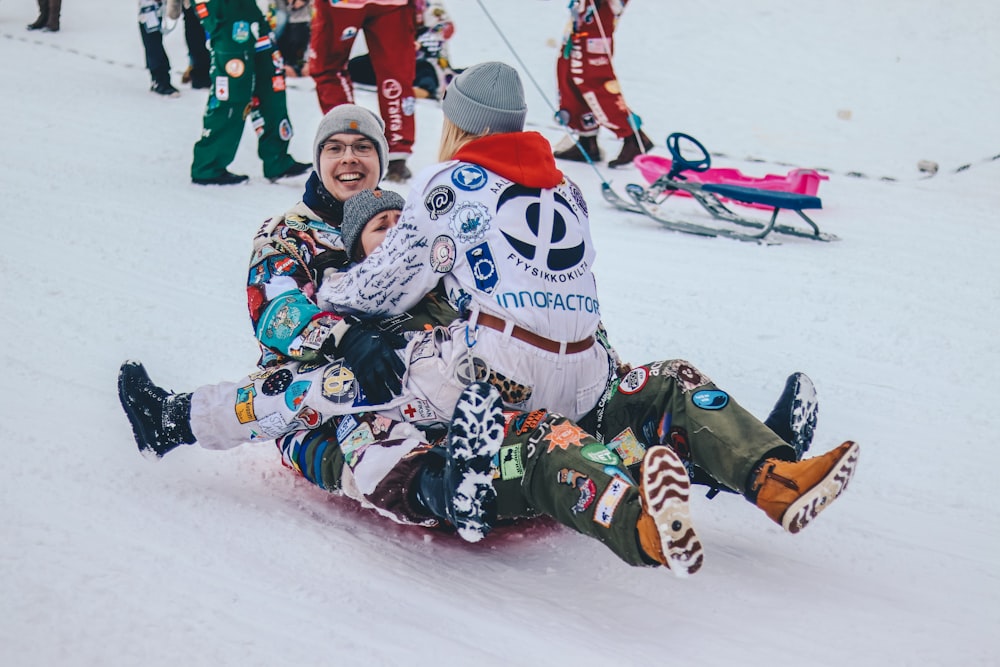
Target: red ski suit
x=589, y=94
x=390, y=33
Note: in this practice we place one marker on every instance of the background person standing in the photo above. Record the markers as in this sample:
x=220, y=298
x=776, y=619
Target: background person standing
x=390, y=32
x=248, y=74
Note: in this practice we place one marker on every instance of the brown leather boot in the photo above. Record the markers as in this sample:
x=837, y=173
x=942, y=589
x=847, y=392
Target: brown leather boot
x=794, y=493
x=630, y=149
x=664, y=527
x=398, y=172
x=586, y=147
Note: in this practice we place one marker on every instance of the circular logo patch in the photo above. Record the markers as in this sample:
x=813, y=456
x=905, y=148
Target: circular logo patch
x=440, y=200
x=469, y=177
x=235, y=68
x=443, y=254
x=277, y=383
x=634, y=381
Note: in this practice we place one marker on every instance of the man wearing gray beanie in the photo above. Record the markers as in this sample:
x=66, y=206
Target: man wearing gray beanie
x=352, y=119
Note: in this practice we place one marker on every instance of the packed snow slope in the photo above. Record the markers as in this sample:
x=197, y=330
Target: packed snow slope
x=209, y=558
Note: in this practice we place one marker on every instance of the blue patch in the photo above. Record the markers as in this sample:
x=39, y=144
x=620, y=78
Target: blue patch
x=296, y=393
x=484, y=269
x=241, y=31
x=710, y=399
x=469, y=177
x=612, y=471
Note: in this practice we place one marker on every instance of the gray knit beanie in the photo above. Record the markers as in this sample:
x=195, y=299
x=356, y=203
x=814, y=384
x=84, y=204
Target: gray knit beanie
x=361, y=208
x=352, y=119
x=488, y=96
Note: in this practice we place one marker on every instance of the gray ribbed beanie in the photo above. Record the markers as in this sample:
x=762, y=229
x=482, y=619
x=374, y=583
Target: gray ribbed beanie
x=487, y=96
x=352, y=119
x=361, y=208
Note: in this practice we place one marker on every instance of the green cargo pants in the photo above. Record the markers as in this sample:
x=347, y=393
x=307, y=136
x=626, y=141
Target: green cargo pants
x=248, y=77
x=548, y=465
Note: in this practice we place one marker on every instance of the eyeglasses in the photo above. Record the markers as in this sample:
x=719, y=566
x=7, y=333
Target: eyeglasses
x=337, y=149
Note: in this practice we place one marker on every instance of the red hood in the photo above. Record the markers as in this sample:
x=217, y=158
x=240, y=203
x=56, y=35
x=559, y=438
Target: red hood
x=522, y=157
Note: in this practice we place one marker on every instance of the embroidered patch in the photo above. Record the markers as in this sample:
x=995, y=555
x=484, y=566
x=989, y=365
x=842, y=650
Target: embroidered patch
x=262, y=44
x=346, y=425
x=634, y=381
x=470, y=221
x=241, y=31
x=296, y=393
x=309, y=366
x=628, y=447
x=244, y=404
x=469, y=177
x=582, y=483
x=274, y=425
x=284, y=127
x=278, y=84
x=339, y=385
x=677, y=438
x=222, y=88
x=309, y=417
x=484, y=270
x=510, y=465
x=609, y=501
x=598, y=453
x=277, y=383
x=349, y=32
x=528, y=421
x=564, y=435
x=443, y=253
x=355, y=443
x=418, y=410
x=710, y=399
x=687, y=376
x=235, y=68
x=439, y=201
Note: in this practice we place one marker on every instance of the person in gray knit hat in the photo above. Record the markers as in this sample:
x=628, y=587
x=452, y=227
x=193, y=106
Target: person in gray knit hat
x=487, y=98
x=352, y=119
x=368, y=215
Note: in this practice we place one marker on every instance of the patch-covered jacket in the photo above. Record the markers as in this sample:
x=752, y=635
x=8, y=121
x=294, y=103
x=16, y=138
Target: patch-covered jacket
x=223, y=16
x=290, y=252
x=501, y=228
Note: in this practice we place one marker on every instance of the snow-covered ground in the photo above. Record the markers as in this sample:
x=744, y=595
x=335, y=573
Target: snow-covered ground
x=211, y=558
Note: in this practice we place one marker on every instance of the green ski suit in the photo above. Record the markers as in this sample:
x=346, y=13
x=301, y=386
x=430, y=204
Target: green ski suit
x=248, y=80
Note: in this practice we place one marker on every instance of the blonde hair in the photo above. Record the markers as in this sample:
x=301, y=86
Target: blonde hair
x=453, y=138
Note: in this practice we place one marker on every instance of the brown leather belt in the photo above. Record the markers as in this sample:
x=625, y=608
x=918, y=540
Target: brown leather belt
x=530, y=338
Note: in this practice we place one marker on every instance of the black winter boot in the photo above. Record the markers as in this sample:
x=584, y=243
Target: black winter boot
x=631, y=150
x=43, y=16
x=584, y=148
x=474, y=438
x=161, y=420
x=794, y=416
x=430, y=485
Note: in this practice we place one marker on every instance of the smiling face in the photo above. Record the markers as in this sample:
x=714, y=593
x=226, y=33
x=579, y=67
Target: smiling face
x=345, y=173
x=375, y=230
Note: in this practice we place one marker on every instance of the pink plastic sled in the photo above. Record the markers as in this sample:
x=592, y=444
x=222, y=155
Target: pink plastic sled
x=799, y=181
